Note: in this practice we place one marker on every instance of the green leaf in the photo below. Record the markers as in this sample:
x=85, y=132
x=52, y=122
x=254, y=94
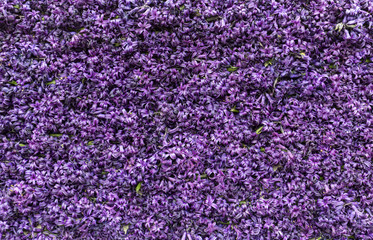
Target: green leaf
x=203, y=176
x=259, y=130
x=332, y=66
x=42, y=18
x=274, y=84
x=22, y=145
x=16, y=6
x=269, y=62
x=125, y=228
x=351, y=26
x=234, y=110
x=339, y=27
x=138, y=187
x=262, y=149
x=51, y=82
x=117, y=44
x=13, y=83
x=224, y=223
x=104, y=173
x=368, y=60
x=90, y=143
x=242, y=202
x=213, y=18
x=276, y=167
x=55, y=134
x=232, y=69
x=302, y=54
x=182, y=7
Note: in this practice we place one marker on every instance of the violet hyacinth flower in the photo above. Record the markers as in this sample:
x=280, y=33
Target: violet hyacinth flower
x=178, y=119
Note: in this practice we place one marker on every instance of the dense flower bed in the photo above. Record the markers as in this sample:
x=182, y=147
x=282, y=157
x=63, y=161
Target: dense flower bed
x=186, y=119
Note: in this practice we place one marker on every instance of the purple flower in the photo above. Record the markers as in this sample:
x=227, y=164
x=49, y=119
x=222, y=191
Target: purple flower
x=186, y=119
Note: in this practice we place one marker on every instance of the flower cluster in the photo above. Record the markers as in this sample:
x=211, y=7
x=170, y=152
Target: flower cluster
x=186, y=119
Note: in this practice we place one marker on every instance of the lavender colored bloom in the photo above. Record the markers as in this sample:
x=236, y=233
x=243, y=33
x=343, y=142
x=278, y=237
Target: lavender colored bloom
x=186, y=119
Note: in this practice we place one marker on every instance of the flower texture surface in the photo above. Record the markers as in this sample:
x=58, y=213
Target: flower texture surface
x=186, y=119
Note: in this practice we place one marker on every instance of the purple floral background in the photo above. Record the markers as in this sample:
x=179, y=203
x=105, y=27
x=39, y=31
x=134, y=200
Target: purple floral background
x=186, y=119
